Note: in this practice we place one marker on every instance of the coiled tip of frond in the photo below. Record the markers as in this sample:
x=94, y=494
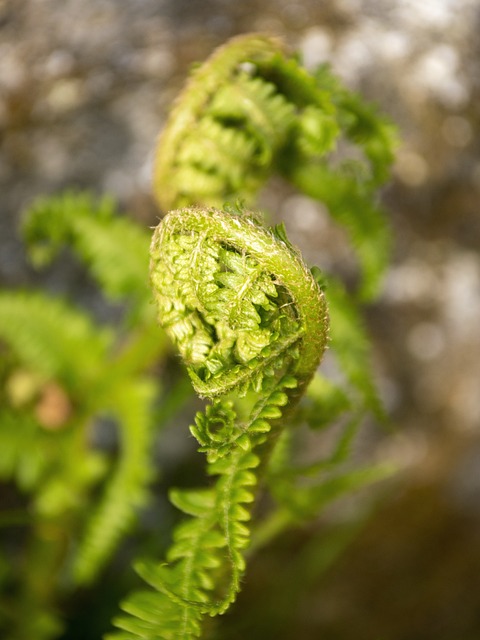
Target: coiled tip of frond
x=236, y=299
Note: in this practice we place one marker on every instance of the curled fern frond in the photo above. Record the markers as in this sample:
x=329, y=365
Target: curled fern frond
x=249, y=321
x=236, y=300
x=251, y=111
x=237, y=116
x=173, y=156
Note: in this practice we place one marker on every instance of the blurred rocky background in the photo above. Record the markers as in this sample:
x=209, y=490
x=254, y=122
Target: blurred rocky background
x=85, y=86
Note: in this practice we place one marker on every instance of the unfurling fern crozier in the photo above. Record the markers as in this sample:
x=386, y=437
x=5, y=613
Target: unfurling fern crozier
x=250, y=322
x=237, y=300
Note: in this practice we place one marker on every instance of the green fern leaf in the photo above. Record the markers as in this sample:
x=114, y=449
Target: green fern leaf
x=351, y=204
x=126, y=491
x=114, y=249
x=25, y=445
x=363, y=125
x=351, y=346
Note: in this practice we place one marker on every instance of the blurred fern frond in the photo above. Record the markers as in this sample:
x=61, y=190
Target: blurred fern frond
x=113, y=248
x=57, y=354
x=54, y=339
x=127, y=489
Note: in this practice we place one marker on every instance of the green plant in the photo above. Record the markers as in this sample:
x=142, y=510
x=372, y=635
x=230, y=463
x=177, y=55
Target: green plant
x=62, y=371
x=248, y=318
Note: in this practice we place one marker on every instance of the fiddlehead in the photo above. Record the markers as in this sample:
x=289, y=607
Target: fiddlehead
x=251, y=111
x=233, y=120
x=236, y=299
x=250, y=322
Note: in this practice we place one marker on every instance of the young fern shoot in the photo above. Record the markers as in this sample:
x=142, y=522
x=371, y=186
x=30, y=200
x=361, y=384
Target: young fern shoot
x=250, y=322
